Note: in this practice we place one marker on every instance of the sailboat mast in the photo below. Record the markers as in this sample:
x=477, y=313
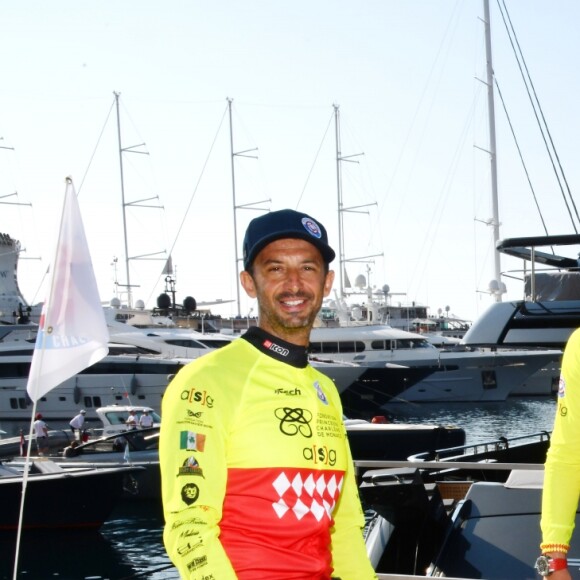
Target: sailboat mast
x=342, y=275
x=339, y=201
x=129, y=294
x=232, y=155
x=492, y=148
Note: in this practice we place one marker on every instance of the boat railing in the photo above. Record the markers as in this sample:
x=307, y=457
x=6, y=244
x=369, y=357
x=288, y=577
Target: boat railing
x=476, y=449
x=500, y=455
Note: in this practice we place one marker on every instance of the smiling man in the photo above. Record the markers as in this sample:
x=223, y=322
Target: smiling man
x=273, y=494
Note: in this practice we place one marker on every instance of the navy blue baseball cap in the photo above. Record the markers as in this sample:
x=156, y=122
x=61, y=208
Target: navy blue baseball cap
x=285, y=223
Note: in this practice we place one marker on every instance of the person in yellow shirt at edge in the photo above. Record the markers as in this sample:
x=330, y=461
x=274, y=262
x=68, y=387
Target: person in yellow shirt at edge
x=562, y=470
x=257, y=475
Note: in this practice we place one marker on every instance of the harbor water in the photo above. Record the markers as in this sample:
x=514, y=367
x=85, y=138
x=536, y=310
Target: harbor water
x=129, y=545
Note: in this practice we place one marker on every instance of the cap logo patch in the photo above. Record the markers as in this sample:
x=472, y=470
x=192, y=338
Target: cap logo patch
x=311, y=227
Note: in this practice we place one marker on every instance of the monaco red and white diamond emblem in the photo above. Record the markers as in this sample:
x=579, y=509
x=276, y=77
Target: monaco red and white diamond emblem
x=307, y=493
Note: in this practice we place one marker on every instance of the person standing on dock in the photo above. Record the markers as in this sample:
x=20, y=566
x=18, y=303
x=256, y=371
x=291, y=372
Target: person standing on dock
x=76, y=425
x=41, y=433
x=146, y=420
x=257, y=475
x=562, y=470
x=131, y=420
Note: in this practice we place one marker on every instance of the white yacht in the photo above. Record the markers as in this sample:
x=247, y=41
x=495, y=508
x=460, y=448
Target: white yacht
x=547, y=313
x=129, y=377
x=549, y=310
x=456, y=374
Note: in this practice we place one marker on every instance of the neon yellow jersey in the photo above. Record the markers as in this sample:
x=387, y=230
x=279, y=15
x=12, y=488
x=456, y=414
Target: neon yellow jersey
x=257, y=476
x=562, y=469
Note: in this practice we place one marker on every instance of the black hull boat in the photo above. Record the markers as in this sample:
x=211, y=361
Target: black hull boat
x=57, y=500
x=379, y=386
x=397, y=441
x=472, y=512
x=136, y=448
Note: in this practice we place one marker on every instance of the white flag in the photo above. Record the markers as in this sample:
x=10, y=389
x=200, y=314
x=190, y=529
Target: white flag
x=72, y=332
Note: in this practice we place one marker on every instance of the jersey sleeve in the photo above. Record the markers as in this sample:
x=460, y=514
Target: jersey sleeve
x=192, y=453
x=349, y=555
x=562, y=469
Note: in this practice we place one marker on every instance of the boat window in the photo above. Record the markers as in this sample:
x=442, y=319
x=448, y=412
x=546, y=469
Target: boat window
x=412, y=343
x=114, y=366
x=316, y=347
x=379, y=345
x=116, y=417
x=17, y=402
x=117, y=348
x=17, y=369
x=21, y=352
x=329, y=347
x=92, y=402
x=215, y=343
x=185, y=342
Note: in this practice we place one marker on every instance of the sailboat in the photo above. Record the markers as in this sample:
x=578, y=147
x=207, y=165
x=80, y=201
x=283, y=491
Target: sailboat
x=445, y=513
x=456, y=373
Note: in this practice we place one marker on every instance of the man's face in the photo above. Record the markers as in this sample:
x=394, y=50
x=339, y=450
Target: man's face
x=289, y=281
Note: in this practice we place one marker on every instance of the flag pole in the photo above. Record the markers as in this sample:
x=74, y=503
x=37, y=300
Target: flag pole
x=72, y=332
x=23, y=492
x=32, y=380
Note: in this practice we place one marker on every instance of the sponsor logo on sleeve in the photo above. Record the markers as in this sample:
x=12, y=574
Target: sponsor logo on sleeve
x=190, y=467
x=189, y=547
x=194, y=395
x=190, y=493
x=188, y=522
x=195, y=419
x=197, y=563
x=191, y=441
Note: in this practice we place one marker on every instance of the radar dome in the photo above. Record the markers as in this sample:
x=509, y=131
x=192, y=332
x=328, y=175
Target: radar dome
x=360, y=281
x=140, y=305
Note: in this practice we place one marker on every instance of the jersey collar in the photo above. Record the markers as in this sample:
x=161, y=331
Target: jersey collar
x=276, y=348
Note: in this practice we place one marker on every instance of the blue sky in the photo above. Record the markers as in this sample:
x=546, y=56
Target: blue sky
x=404, y=73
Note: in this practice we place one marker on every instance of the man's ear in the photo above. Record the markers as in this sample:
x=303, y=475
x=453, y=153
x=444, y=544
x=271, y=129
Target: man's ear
x=248, y=284
x=328, y=282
